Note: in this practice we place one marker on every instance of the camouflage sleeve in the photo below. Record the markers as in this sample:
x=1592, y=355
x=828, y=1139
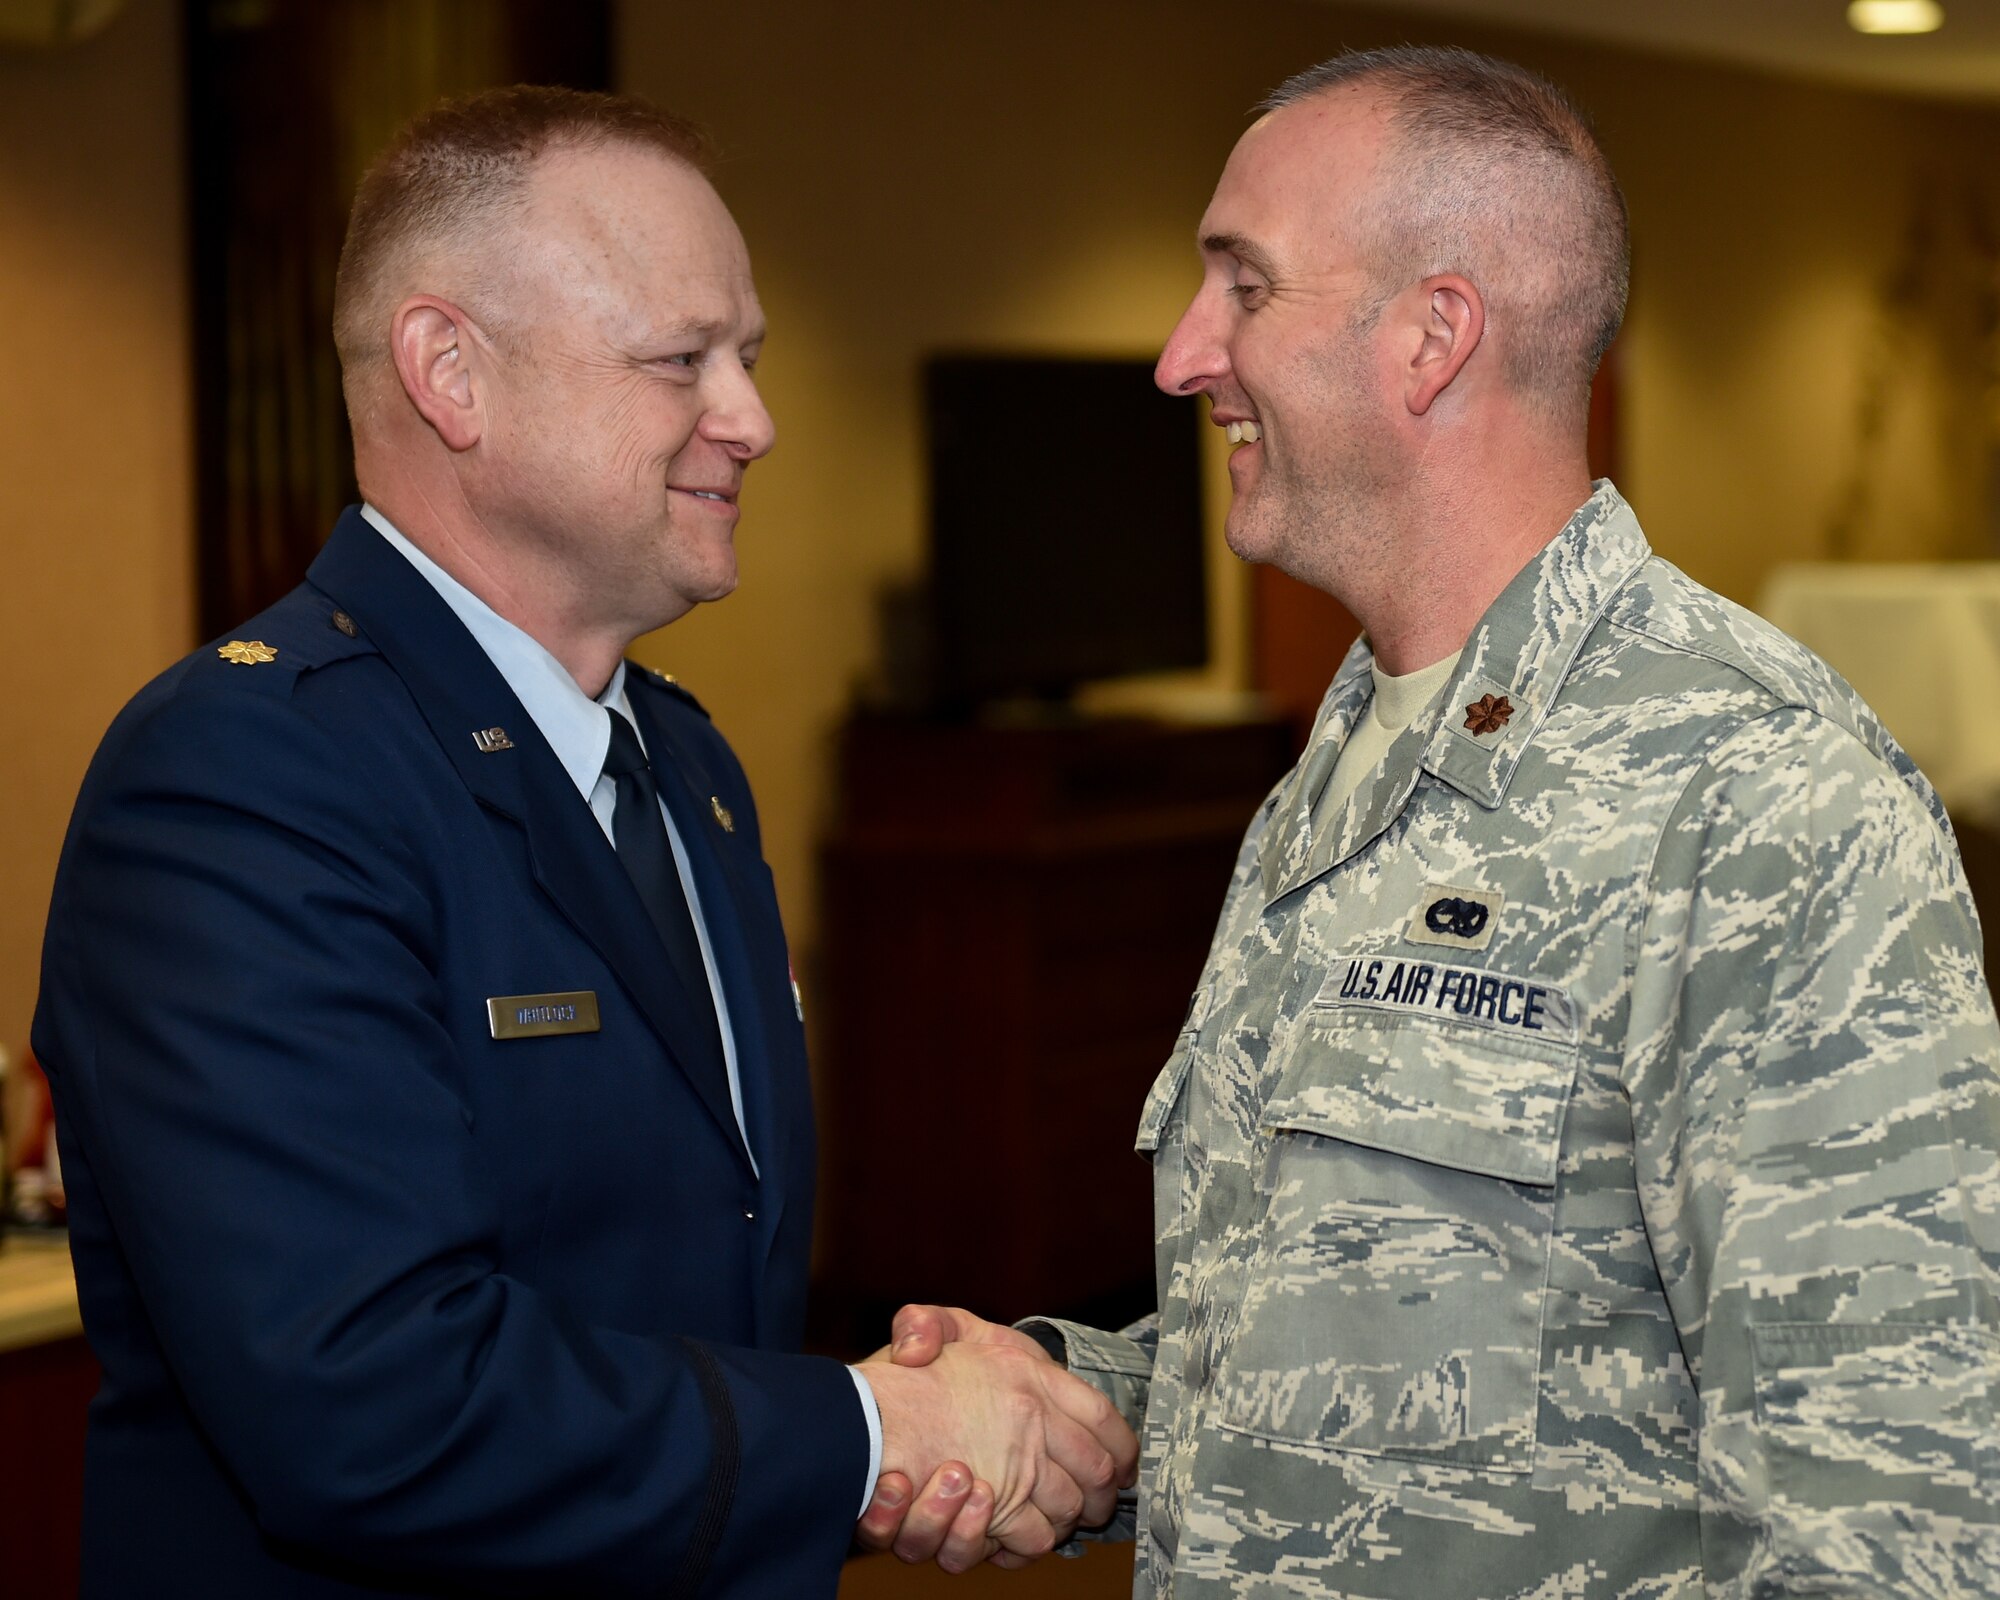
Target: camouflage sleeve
x=1120, y=1367
x=1814, y=1072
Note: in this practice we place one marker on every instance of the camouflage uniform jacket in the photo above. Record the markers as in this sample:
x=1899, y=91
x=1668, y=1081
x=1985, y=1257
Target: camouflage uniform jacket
x=1577, y=1174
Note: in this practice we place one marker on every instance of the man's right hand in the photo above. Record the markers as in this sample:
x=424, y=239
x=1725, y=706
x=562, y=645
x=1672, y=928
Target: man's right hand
x=1052, y=1449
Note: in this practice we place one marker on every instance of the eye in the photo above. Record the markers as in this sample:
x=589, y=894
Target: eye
x=687, y=359
x=1248, y=295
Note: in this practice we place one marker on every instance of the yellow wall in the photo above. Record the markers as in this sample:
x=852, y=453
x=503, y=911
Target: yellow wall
x=95, y=448
x=1027, y=172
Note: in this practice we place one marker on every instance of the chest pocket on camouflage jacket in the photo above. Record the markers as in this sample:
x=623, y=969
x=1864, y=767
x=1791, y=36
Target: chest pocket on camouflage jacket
x=1394, y=1303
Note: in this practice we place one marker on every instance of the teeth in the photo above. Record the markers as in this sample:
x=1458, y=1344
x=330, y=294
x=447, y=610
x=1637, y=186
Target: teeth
x=703, y=494
x=1243, y=433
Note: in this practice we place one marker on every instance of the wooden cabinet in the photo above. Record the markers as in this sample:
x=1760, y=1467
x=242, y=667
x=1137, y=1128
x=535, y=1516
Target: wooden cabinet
x=47, y=1378
x=1013, y=921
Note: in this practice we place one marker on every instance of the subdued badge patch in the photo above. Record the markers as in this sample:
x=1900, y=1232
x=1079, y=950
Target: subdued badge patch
x=1456, y=917
x=1521, y=1006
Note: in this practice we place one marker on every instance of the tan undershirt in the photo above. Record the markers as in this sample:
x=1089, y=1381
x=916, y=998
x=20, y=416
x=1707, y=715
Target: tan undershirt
x=1397, y=703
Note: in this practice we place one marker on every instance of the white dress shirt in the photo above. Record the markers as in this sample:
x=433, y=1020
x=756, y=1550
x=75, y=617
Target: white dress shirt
x=579, y=732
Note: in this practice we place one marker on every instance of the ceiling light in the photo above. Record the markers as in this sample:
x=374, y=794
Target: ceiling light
x=1895, y=16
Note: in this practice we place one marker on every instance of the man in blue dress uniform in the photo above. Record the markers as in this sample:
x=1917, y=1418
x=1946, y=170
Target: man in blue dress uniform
x=430, y=1079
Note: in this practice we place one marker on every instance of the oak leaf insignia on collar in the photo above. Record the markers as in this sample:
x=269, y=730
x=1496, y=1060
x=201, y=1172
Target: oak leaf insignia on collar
x=1488, y=714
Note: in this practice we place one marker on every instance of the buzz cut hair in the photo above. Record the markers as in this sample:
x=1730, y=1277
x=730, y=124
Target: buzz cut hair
x=1493, y=172
x=446, y=186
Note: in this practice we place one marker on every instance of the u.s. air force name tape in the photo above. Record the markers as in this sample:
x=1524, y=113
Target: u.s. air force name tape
x=1466, y=994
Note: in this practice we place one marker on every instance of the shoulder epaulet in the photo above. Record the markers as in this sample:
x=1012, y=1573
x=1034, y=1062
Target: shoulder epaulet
x=668, y=682
x=297, y=635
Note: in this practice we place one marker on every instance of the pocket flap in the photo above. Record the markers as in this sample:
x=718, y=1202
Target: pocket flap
x=1166, y=1090
x=1438, y=1091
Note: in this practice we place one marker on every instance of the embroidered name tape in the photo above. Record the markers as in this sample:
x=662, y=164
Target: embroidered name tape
x=1468, y=994
x=532, y=1016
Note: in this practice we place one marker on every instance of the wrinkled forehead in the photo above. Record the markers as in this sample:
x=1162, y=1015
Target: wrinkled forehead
x=1299, y=175
x=630, y=234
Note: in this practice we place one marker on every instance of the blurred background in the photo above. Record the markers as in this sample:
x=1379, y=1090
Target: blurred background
x=972, y=225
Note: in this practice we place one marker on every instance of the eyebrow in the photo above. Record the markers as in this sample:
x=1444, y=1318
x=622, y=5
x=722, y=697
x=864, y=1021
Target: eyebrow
x=704, y=328
x=1245, y=250
x=668, y=332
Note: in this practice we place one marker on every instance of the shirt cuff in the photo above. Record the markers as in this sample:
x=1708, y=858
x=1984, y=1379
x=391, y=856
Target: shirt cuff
x=874, y=1415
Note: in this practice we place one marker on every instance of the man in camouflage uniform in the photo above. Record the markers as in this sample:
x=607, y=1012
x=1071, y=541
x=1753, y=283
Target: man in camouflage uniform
x=1577, y=1173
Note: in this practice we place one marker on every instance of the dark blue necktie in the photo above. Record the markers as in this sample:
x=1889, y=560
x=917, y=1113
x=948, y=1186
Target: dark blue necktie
x=639, y=834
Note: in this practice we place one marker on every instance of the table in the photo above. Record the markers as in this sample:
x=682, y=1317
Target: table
x=37, y=1291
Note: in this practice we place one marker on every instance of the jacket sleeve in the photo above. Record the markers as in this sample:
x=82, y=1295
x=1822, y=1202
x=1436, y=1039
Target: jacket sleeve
x=240, y=987
x=1814, y=1073
x=1120, y=1367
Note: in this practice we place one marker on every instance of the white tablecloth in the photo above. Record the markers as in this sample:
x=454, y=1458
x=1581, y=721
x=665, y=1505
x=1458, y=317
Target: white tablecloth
x=1921, y=642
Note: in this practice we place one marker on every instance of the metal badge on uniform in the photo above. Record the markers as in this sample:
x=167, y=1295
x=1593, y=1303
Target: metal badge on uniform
x=534, y=1016
x=491, y=739
x=1455, y=917
x=246, y=652
x=722, y=814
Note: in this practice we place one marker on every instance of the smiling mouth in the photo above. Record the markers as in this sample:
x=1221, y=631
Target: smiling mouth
x=723, y=497
x=1243, y=433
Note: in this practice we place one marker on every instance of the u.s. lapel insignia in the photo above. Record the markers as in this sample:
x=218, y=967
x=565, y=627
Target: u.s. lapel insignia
x=246, y=652
x=722, y=814
x=491, y=739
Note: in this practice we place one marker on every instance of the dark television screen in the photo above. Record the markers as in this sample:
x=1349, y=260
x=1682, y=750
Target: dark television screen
x=1065, y=525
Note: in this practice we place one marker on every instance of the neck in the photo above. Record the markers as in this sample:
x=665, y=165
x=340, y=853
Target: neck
x=435, y=517
x=1458, y=546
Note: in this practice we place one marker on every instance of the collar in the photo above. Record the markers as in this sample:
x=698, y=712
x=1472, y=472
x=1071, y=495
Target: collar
x=574, y=724
x=1522, y=650
x=1528, y=640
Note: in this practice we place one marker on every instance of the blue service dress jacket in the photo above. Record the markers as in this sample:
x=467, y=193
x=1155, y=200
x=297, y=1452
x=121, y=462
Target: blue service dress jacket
x=384, y=1303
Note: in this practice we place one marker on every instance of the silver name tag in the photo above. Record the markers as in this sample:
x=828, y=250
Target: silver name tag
x=530, y=1016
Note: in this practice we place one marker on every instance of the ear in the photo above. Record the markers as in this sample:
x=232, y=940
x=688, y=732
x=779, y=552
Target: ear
x=1453, y=316
x=436, y=352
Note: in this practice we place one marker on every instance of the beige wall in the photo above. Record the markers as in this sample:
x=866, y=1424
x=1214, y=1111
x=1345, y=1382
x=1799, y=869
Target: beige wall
x=1026, y=172
x=95, y=450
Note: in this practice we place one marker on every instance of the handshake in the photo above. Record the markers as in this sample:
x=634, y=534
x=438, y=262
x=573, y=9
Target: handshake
x=1013, y=1451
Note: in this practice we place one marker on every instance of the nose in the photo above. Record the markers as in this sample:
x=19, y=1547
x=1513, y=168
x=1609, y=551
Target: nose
x=1196, y=356
x=736, y=418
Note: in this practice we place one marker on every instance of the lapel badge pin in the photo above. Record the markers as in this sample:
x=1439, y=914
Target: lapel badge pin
x=345, y=623
x=1488, y=714
x=722, y=814
x=491, y=739
x=246, y=653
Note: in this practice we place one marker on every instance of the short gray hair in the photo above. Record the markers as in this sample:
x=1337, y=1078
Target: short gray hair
x=457, y=171
x=1495, y=173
